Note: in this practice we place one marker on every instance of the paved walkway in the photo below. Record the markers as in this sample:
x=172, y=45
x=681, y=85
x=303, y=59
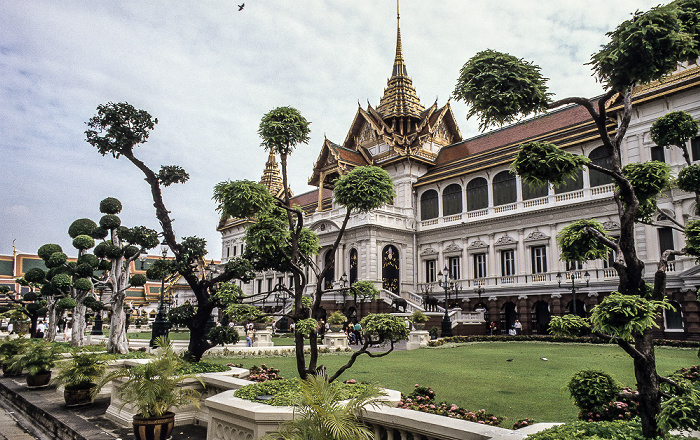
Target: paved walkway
x=10, y=429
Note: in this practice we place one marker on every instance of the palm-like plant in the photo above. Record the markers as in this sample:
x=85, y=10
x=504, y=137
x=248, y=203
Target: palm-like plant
x=38, y=357
x=8, y=349
x=154, y=388
x=322, y=416
x=83, y=370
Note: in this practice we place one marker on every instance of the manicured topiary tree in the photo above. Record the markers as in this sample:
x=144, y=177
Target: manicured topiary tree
x=117, y=129
x=278, y=240
x=501, y=88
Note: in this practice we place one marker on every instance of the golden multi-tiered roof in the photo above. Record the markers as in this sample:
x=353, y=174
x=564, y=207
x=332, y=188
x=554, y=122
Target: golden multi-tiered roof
x=272, y=178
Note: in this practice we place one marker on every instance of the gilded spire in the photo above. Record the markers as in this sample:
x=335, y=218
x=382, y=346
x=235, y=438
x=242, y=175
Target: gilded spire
x=272, y=178
x=400, y=98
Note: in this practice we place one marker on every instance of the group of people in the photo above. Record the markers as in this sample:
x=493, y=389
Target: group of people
x=517, y=328
x=353, y=330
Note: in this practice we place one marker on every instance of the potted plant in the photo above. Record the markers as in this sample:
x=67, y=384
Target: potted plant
x=336, y=320
x=8, y=349
x=262, y=322
x=418, y=319
x=154, y=388
x=80, y=374
x=433, y=332
x=38, y=357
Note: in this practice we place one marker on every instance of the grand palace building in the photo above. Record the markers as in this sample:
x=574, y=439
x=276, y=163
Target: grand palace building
x=460, y=211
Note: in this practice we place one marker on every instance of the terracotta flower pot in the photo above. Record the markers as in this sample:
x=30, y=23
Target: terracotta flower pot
x=39, y=379
x=154, y=428
x=76, y=396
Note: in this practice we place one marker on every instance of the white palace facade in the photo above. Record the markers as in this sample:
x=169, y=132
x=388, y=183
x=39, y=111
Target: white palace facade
x=459, y=209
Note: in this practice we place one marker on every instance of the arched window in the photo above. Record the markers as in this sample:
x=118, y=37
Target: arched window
x=531, y=191
x=504, y=188
x=674, y=317
x=330, y=275
x=571, y=184
x=477, y=194
x=600, y=156
x=429, y=205
x=390, y=269
x=452, y=200
x=353, y=265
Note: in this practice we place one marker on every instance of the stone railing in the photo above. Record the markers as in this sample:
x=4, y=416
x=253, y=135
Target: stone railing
x=232, y=418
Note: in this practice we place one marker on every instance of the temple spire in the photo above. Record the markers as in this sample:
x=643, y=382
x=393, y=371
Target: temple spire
x=399, y=65
x=271, y=178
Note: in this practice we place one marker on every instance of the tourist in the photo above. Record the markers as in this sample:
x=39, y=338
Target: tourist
x=357, y=331
x=518, y=327
x=492, y=328
x=40, y=330
x=249, y=336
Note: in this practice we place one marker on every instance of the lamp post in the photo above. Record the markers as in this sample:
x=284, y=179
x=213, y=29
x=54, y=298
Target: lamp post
x=344, y=288
x=479, y=289
x=97, y=326
x=586, y=277
x=161, y=325
x=445, y=282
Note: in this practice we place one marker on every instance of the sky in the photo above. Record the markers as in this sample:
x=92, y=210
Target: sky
x=209, y=72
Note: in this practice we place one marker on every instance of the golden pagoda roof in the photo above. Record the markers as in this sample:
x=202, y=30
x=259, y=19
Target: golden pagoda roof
x=400, y=98
x=272, y=178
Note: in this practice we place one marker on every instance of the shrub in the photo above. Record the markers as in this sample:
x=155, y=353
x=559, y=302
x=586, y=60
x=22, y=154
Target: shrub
x=83, y=284
x=35, y=275
x=201, y=367
x=138, y=279
x=66, y=303
x=285, y=392
x=83, y=242
x=56, y=259
x=61, y=281
x=45, y=251
x=110, y=221
x=82, y=226
x=223, y=334
x=418, y=317
x=592, y=389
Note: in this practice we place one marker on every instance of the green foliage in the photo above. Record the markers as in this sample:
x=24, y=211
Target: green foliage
x=223, y=334
x=229, y=293
x=137, y=280
x=66, y=303
x=364, y=290
x=642, y=49
x=418, y=317
x=673, y=129
x=540, y=163
x=83, y=242
x=648, y=178
x=83, y=369
x=193, y=248
x=243, y=312
x=336, y=318
x=139, y=236
x=170, y=174
x=284, y=392
x=45, y=251
x=84, y=270
x=282, y=129
x=9, y=348
x=617, y=430
x=82, y=226
x=131, y=251
x=30, y=296
x=37, y=356
x=681, y=412
x=500, y=87
x=241, y=268
x=56, y=259
x=306, y=301
x=93, y=304
x=83, y=284
x=154, y=388
x=117, y=128
x=201, y=367
x=181, y=315
x=592, y=389
x=578, y=243
x=61, y=281
x=35, y=275
x=322, y=416
x=386, y=326
x=110, y=221
x=692, y=237
x=689, y=178
x=112, y=251
x=568, y=325
x=99, y=233
x=306, y=326
x=624, y=316
x=110, y=205
x=242, y=198
x=364, y=189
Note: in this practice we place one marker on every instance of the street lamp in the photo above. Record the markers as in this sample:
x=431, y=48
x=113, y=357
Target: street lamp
x=97, y=326
x=586, y=277
x=445, y=282
x=479, y=289
x=344, y=288
x=161, y=325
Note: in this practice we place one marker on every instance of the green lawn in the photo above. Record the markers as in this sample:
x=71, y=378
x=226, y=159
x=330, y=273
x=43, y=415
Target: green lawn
x=478, y=375
x=174, y=336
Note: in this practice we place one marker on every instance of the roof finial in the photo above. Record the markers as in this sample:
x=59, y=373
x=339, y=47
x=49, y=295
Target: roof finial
x=399, y=66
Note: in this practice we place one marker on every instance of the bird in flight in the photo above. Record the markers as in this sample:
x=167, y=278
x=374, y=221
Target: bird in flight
x=241, y=6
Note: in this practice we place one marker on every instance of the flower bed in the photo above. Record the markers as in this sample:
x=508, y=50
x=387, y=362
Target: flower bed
x=284, y=392
x=423, y=399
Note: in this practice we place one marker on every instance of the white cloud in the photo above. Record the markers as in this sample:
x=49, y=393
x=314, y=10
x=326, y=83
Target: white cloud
x=209, y=72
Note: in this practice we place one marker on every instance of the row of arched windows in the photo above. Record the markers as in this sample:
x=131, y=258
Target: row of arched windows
x=505, y=191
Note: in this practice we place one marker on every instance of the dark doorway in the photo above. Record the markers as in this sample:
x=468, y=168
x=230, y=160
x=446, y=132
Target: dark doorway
x=390, y=269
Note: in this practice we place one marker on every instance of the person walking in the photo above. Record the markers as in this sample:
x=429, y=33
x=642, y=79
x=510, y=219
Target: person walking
x=518, y=327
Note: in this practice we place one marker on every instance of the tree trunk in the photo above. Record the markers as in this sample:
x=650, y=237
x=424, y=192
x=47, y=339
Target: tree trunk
x=648, y=386
x=51, y=313
x=78, y=331
x=198, y=334
x=118, y=342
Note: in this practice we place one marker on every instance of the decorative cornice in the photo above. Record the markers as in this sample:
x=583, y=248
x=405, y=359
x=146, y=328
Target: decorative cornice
x=452, y=248
x=611, y=225
x=536, y=235
x=477, y=244
x=506, y=239
x=428, y=251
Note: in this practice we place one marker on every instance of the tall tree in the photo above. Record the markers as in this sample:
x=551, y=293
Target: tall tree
x=501, y=88
x=278, y=240
x=117, y=129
